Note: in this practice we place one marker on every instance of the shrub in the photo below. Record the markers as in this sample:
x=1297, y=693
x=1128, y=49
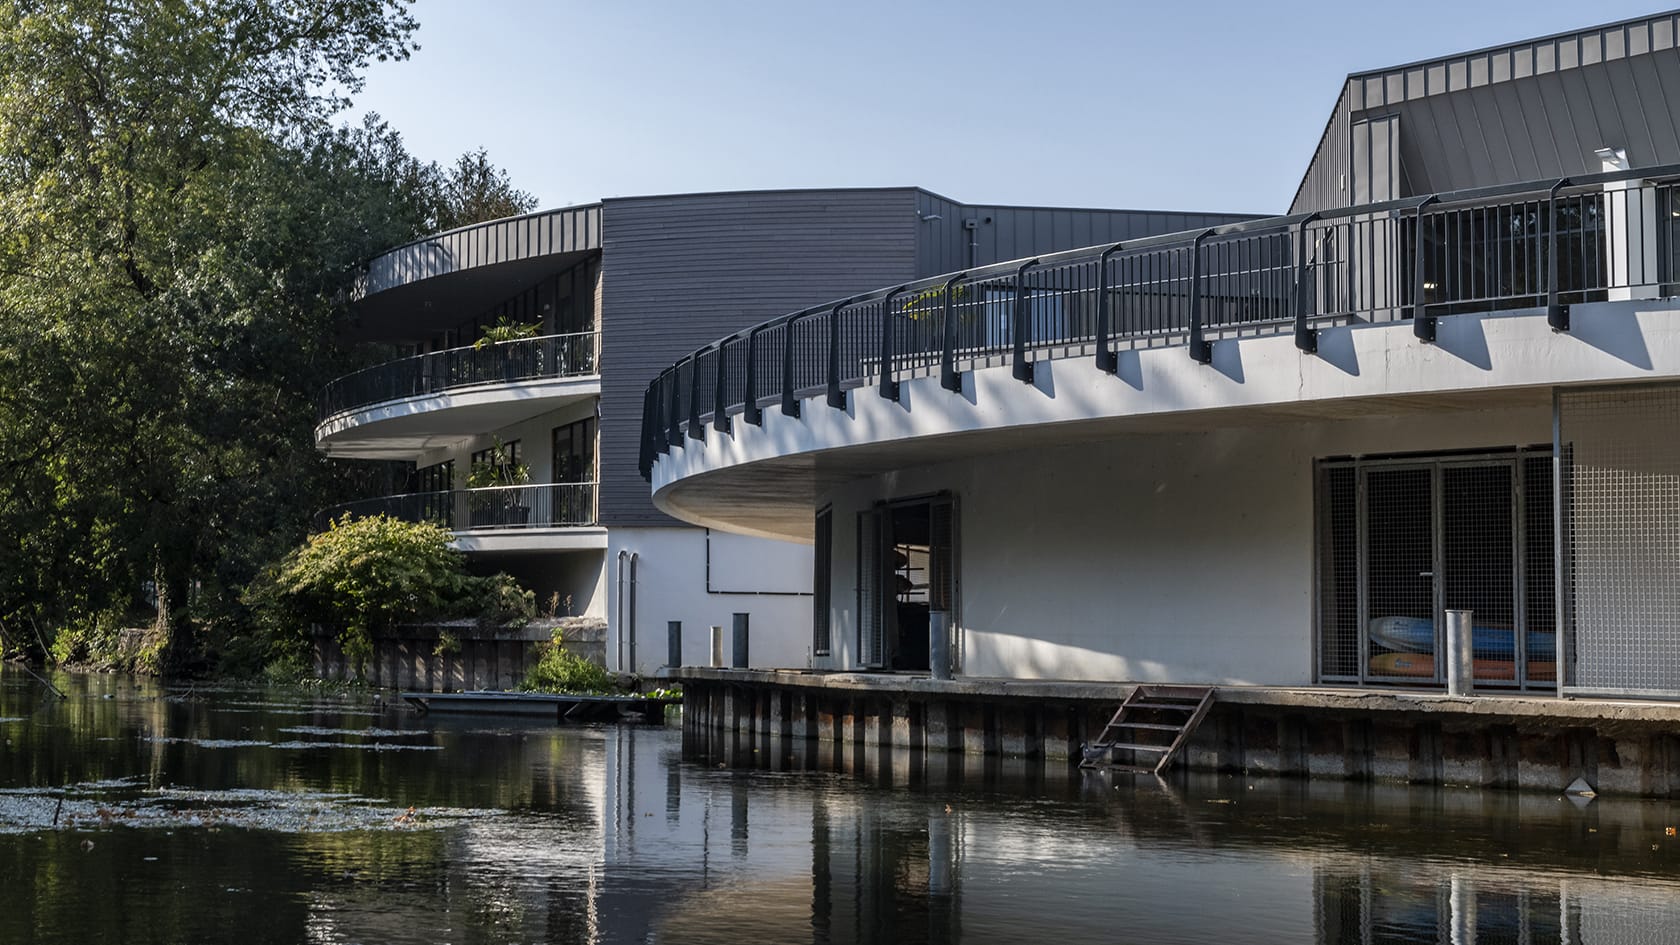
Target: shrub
x=367, y=574
x=559, y=670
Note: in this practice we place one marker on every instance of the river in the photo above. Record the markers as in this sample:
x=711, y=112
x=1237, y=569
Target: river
x=136, y=813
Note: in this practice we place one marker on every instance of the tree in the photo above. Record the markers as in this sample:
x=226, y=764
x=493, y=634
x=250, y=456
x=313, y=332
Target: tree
x=475, y=190
x=179, y=228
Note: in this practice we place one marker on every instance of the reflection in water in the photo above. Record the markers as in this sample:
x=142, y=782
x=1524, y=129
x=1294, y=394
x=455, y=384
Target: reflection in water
x=604, y=834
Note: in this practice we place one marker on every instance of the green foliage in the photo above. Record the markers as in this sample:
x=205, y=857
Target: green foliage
x=499, y=470
x=557, y=669
x=180, y=230
x=365, y=575
x=474, y=190
x=505, y=330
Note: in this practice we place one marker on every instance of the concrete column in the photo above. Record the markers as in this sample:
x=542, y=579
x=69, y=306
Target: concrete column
x=1630, y=226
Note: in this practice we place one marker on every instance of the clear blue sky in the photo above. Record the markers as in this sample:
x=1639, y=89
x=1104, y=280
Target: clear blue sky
x=1176, y=105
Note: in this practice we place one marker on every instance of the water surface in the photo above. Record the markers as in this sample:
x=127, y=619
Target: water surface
x=135, y=813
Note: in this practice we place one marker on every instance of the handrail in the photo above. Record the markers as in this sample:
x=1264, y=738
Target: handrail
x=575, y=354
x=532, y=505
x=1528, y=244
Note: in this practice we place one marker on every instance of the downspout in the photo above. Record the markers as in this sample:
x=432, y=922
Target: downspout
x=618, y=652
x=634, y=557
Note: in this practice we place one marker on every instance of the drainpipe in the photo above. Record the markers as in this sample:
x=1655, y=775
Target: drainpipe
x=634, y=557
x=618, y=651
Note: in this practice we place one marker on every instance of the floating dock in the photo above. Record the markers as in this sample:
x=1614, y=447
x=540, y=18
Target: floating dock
x=561, y=708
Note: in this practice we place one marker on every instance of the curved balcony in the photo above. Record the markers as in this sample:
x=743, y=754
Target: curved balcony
x=402, y=406
x=1290, y=316
x=545, y=516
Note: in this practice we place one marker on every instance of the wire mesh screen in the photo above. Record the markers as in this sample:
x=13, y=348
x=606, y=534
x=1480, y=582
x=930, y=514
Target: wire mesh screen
x=1338, y=573
x=1401, y=540
x=1400, y=572
x=1539, y=573
x=1622, y=482
x=1478, y=557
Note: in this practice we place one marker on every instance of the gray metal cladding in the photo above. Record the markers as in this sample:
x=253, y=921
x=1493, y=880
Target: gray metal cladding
x=680, y=272
x=1525, y=111
x=547, y=233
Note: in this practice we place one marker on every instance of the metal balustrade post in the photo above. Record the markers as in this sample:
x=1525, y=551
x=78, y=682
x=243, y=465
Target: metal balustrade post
x=949, y=377
x=1019, y=367
x=1107, y=361
x=1557, y=314
x=696, y=429
x=1423, y=325
x=673, y=435
x=889, y=385
x=790, y=404
x=1201, y=350
x=750, y=412
x=720, y=417
x=836, y=396
x=1306, y=336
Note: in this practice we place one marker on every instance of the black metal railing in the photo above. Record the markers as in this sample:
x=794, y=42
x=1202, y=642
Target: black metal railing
x=550, y=505
x=573, y=355
x=1537, y=244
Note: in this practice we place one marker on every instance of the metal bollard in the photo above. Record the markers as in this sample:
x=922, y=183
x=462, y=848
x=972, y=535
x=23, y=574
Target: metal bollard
x=939, y=644
x=717, y=647
x=740, y=641
x=1461, y=658
x=673, y=643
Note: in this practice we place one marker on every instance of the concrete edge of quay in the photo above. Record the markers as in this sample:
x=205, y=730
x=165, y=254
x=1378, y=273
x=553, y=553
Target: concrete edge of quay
x=1503, y=740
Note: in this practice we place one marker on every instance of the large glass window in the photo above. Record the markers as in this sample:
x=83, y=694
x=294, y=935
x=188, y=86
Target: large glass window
x=574, y=452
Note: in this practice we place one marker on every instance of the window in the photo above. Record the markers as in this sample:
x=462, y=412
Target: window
x=501, y=464
x=574, y=452
x=438, y=477
x=821, y=579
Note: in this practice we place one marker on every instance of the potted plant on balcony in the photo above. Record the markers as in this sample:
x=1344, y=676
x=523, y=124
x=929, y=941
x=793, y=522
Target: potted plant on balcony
x=499, y=507
x=512, y=359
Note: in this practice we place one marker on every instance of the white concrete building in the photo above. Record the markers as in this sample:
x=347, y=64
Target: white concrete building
x=515, y=353
x=1269, y=452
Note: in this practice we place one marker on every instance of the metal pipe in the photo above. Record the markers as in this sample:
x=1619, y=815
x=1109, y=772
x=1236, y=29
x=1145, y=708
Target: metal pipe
x=1461, y=656
x=618, y=647
x=634, y=558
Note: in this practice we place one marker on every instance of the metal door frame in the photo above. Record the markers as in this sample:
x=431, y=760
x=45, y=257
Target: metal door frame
x=1512, y=459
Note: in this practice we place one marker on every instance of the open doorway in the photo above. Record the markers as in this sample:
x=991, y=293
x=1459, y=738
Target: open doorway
x=907, y=581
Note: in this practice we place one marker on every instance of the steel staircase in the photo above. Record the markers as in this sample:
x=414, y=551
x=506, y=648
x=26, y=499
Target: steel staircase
x=1150, y=727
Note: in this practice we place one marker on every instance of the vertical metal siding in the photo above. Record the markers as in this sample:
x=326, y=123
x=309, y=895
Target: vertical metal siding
x=680, y=272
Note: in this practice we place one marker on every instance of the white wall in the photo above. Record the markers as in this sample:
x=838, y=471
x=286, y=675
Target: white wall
x=536, y=438
x=769, y=580
x=1163, y=557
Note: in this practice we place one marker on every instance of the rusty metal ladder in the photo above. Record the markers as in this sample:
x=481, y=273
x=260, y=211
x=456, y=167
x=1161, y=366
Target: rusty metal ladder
x=1154, y=721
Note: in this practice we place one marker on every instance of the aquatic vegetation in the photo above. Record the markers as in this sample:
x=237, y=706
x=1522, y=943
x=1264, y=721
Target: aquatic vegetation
x=557, y=669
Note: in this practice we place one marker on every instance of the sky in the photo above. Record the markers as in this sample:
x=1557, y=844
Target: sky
x=1207, y=106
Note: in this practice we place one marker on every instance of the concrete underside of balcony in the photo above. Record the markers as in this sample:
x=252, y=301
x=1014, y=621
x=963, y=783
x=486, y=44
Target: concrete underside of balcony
x=767, y=480
x=401, y=429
